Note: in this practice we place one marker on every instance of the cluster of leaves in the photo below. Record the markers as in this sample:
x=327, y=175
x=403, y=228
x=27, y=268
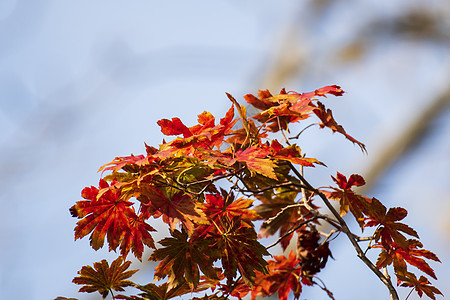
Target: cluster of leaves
x=211, y=183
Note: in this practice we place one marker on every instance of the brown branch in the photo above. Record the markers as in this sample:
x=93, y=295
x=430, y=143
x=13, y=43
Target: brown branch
x=262, y=190
x=298, y=135
x=213, y=179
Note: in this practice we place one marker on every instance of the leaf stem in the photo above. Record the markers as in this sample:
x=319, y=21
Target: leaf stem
x=409, y=294
x=298, y=135
x=112, y=294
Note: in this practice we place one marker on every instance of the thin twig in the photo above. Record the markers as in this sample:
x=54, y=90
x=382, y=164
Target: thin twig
x=298, y=135
x=213, y=179
x=327, y=237
x=268, y=221
x=409, y=294
x=370, y=241
x=112, y=294
x=324, y=287
x=262, y=190
x=282, y=131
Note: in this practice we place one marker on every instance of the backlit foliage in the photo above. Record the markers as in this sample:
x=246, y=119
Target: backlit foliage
x=214, y=184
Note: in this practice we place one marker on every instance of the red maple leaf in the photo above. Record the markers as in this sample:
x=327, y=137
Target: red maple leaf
x=348, y=199
x=326, y=116
x=291, y=153
x=220, y=206
x=280, y=110
x=136, y=237
x=421, y=285
x=165, y=291
x=238, y=289
x=412, y=255
x=388, y=226
x=172, y=204
x=119, y=162
x=257, y=161
x=107, y=214
x=104, y=278
x=284, y=277
x=205, y=135
x=174, y=127
x=331, y=89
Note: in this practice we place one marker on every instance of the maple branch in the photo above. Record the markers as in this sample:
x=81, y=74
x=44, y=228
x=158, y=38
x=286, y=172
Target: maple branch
x=332, y=222
x=171, y=185
x=187, y=185
x=269, y=220
x=350, y=235
x=262, y=190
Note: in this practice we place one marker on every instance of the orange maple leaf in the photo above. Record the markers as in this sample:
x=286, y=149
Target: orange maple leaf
x=257, y=161
x=389, y=227
x=135, y=238
x=284, y=277
x=326, y=116
x=348, y=199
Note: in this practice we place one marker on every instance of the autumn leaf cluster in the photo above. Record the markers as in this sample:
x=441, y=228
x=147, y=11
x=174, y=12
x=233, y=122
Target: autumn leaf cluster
x=221, y=187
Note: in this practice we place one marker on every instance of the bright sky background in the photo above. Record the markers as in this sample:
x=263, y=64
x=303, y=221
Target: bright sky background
x=84, y=81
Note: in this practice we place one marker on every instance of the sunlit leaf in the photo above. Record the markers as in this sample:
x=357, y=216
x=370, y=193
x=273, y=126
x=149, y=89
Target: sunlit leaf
x=108, y=215
x=326, y=116
x=348, y=199
x=284, y=277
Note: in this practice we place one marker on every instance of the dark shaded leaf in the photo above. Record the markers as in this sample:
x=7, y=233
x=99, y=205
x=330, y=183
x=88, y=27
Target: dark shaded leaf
x=103, y=278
